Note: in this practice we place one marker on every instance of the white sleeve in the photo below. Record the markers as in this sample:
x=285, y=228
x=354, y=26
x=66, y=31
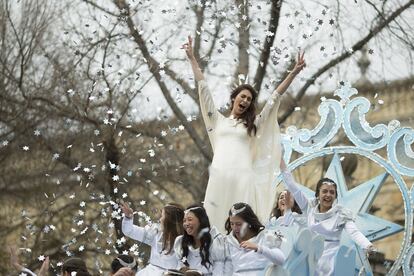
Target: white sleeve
x=356, y=235
x=218, y=252
x=179, y=250
x=208, y=109
x=142, y=234
x=274, y=254
x=228, y=264
x=269, y=246
x=271, y=105
x=292, y=187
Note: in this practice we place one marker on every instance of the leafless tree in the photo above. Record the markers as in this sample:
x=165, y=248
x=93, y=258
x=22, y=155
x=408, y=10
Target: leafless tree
x=79, y=86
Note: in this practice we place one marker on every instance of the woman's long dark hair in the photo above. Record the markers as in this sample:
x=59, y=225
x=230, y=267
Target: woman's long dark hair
x=249, y=115
x=247, y=215
x=172, y=226
x=276, y=212
x=204, y=232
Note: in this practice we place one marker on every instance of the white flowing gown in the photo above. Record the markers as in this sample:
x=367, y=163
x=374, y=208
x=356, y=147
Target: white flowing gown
x=243, y=166
x=329, y=224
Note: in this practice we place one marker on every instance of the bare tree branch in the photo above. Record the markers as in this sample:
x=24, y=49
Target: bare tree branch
x=154, y=69
x=244, y=39
x=268, y=43
x=356, y=47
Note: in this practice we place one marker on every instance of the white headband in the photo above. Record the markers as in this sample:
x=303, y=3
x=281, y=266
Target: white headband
x=235, y=211
x=192, y=209
x=124, y=264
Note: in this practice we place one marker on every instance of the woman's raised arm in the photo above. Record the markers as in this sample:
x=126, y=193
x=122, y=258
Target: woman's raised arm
x=188, y=47
x=300, y=64
x=292, y=187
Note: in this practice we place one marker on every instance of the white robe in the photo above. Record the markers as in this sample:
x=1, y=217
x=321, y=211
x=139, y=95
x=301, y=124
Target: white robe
x=243, y=166
x=159, y=262
x=288, y=219
x=330, y=225
x=217, y=255
x=245, y=262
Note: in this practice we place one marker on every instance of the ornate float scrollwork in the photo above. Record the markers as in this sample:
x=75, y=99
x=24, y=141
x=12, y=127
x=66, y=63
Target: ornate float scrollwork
x=306, y=141
x=400, y=151
x=350, y=114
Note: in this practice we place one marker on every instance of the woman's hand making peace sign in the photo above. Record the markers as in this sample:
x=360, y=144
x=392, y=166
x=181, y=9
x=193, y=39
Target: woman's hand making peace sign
x=300, y=63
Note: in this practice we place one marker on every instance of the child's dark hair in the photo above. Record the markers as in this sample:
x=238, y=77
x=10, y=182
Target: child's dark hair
x=245, y=212
x=123, y=261
x=77, y=265
x=205, y=236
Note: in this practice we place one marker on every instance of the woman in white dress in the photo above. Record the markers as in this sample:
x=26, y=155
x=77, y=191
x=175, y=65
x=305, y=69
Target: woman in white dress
x=160, y=237
x=327, y=218
x=246, y=147
x=201, y=247
x=250, y=247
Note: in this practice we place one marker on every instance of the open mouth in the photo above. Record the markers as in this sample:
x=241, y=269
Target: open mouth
x=242, y=107
x=327, y=200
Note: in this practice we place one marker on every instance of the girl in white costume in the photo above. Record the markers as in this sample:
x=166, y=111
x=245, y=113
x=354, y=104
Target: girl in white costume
x=327, y=218
x=201, y=247
x=160, y=237
x=286, y=211
x=250, y=247
x=246, y=147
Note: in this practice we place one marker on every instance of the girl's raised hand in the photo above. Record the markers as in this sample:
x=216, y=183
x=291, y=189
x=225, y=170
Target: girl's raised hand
x=129, y=213
x=188, y=47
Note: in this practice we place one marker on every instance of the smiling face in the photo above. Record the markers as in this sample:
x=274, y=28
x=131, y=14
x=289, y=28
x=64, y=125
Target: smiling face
x=327, y=195
x=191, y=224
x=285, y=201
x=241, y=102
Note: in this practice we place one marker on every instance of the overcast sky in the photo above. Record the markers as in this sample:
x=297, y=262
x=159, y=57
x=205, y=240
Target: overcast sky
x=167, y=23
